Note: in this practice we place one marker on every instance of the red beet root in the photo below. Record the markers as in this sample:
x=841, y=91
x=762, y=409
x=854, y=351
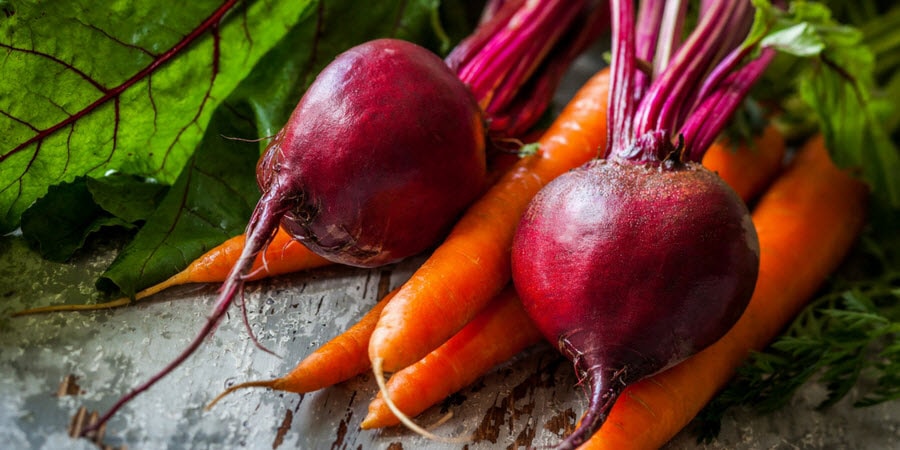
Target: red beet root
x=631, y=268
x=383, y=152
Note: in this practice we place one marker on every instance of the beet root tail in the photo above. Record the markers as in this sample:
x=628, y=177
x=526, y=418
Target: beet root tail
x=262, y=227
x=603, y=395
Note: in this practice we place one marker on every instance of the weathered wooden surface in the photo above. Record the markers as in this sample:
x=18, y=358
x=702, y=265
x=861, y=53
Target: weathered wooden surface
x=92, y=358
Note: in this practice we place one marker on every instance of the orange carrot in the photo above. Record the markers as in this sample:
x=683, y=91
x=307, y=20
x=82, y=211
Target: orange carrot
x=283, y=255
x=338, y=360
x=748, y=169
x=499, y=332
x=807, y=222
x=502, y=329
x=472, y=265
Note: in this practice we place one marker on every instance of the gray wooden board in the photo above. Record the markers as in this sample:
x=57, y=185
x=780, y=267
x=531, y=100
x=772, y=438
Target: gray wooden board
x=529, y=401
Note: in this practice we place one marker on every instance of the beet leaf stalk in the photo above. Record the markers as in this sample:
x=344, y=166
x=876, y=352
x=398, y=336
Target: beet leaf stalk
x=642, y=257
x=515, y=59
x=387, y=146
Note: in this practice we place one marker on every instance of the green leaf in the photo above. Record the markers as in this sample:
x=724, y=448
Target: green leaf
x=209, y=202
x=851, y=121
x=529, y=149
x=130, y=86
x=799, y=39
x=54, y=229
x=59, y=223
x=127, y=197
x=213, y=197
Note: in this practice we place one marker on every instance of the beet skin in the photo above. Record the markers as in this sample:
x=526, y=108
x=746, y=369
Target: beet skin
x=381, y=155
x=630, y=268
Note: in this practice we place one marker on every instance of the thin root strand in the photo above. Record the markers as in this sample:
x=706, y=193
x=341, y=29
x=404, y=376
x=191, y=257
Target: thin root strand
x=404, y=419
x=248, y=384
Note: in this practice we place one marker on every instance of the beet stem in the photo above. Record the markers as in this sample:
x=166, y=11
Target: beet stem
x=669, y=35
x=622, y=69
x=646, y=41
x=260, y=230
x=705, y=123
x=517, y=45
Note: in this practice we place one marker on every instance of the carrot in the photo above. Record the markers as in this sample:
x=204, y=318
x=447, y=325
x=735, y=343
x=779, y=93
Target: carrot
x=499, y=332
x=748, y=169
x=283, y=255
x=807, y=221
x=472, y=265
x=502, y=329
x=338, y=360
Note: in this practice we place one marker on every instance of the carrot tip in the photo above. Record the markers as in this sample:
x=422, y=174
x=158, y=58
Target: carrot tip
x=264, y=383
x=64, y=308
x=404, y=419
x=179, y=278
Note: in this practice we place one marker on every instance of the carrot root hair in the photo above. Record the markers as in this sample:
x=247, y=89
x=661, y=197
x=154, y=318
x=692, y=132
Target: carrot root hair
x=174, y=280
x=69, y=308
x=246, y=384
x=377, y=364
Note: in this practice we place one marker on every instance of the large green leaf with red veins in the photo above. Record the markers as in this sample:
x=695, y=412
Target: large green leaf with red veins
x=89, y=87
x=212, y=199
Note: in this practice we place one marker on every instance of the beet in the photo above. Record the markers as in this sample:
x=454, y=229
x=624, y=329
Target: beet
x=383, y=152
x=630, y=268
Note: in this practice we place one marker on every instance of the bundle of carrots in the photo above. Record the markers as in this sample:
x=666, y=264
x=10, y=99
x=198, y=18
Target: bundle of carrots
x=466, y=283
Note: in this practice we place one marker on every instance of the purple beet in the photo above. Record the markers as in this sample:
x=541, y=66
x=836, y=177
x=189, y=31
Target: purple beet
x=630, y=268
x=632, y=263
x=383, y=152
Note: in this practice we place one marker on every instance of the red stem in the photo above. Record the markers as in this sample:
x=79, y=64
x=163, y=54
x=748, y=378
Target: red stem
x=622, y=69
x=695, y=94
x=518, y=47
x=647, y=39
x=660, y=109
x=704, y=125
x=669, y=34
x=525, y=110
